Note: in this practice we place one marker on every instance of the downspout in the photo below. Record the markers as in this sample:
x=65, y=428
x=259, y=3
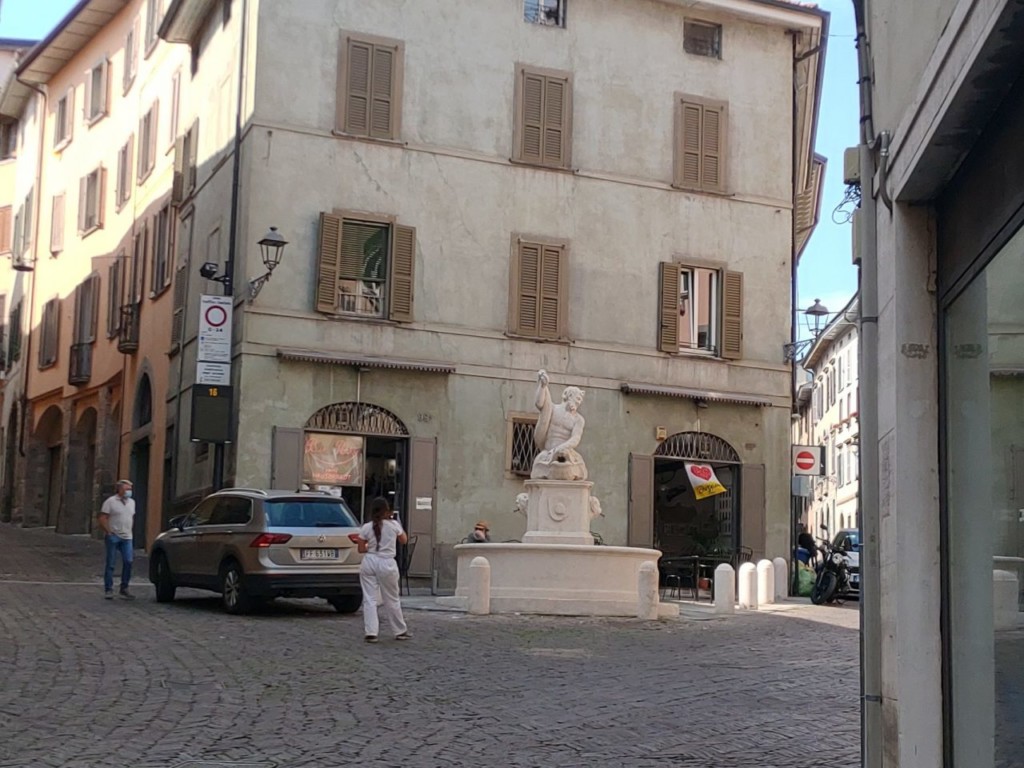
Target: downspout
x=27, y=357
x=871, y=591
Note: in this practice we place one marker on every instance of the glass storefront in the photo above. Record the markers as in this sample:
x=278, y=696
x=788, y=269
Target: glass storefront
x=984, y=513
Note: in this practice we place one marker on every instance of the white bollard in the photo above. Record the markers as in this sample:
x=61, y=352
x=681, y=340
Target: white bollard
x=748, y=586
x=480, y=586
x=781, y=579
x=765, y=582
x=725, y=589
x=647, y=591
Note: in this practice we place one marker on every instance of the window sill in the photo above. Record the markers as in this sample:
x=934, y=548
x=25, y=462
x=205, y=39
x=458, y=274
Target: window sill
x=55, y=252
x=120, y=205
x=539, y=339
x=145, y=175
x=701, y=191
x=47, y=366
x=150, y=47
x=8, y=159
x=372, y=139
x=706, y=354
x=91, y=121
x=339, y=315
x=127, y=85
x=154, y=295
x=61, y=145
x=84, y=233
x=542, y=166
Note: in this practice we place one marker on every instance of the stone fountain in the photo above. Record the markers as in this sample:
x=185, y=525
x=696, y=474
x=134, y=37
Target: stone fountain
x=557, y=569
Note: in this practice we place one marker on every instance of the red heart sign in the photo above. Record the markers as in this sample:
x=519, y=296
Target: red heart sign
x=704, y=473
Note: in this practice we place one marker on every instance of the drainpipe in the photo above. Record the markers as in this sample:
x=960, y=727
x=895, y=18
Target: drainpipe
x=871, y=591
x=27, y=357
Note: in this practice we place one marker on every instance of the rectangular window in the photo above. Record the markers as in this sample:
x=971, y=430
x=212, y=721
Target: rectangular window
x=369, y=92
x=542, y=132
x=138, y=277
x=700, y=144
x=63, y=119
x=125, y=180
x=152, y=24
x=14, y=338
x=86, y=310
x=131, y=57
x=8, y=140
x=57, y=224
x=366, y=267
x=520, y=449
x=539, y=289
x=147, y=142
x=183, y=244
x=96, y=92
x=160, y=275
x=186, y=160
x=115, y=285
x=702, y=38
x=90, y=201
x=6, y=229
x=701, y=310
x=49, y=333
x=549, y=13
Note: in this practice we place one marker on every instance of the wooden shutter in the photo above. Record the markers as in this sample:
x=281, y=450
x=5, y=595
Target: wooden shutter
x=543, y=118
x=192, y=167
x=98, y=101
x=154, y=123
x=732, y=315
x=78, y=325
x=328, y=259
x=690, y=118
x=140, y=170
x=420, y=514
x=752, y=508
x=369, y=84
x=526, y=290
x=178, y=182
x=178, y=315
x=57, y=224
x=403, y=269
x=641, y=501
x=532, y=118
x=114, y=296
x=381, y=84
x=712, y=161
x=286, y=459
x=552, y=292
x=557, y=94
x=356, y=92
x=93, y=316
x=701, y=129
x=83, y=185
x=5, y=229
x=69, y=116
x=668, y=310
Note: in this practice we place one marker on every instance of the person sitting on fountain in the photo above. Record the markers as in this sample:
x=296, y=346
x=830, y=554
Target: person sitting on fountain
x=558, y=432
x=481, y=534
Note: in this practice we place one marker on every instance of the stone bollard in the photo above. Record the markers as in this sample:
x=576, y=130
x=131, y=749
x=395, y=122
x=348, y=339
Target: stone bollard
x=748, y=586
x=1005, y=586
x=647, y=591
x=781, y=579
x=765, y=582
x=725, y=589
x=480, y=586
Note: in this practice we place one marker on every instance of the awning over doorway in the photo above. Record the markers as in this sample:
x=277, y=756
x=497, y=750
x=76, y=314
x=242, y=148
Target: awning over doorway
x=739, y=398
x=364, y=361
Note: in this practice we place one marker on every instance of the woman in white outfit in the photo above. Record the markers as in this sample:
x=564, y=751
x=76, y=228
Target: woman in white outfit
x=378, y=541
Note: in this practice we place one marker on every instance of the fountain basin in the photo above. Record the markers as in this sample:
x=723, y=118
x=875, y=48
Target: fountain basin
x=558, y=579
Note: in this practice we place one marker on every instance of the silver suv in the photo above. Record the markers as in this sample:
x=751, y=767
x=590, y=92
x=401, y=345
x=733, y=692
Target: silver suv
x=252, y=546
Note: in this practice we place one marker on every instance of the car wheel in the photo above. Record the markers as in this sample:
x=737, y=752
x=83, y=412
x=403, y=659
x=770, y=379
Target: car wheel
x=163, y=580
x=346, y=604
x=232, y=590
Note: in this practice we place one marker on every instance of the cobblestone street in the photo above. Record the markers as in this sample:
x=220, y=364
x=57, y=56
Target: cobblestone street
x=90, y=683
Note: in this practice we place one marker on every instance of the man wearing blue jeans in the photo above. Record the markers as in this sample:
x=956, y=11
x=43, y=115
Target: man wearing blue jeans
x=115, y=519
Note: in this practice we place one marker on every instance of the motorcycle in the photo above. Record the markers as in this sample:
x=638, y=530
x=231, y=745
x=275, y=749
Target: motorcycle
x=833, y=573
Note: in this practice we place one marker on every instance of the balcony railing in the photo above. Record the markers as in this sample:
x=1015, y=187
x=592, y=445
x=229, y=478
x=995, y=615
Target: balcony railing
x=128, y=335
x=81, y=363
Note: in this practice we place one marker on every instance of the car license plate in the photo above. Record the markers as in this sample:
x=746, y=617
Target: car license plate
x=318, y=554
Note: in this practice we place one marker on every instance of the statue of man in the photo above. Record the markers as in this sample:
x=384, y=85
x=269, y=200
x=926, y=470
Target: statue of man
x=557, y=434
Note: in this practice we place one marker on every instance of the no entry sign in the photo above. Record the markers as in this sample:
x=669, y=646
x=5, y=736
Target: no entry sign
x=808, y=460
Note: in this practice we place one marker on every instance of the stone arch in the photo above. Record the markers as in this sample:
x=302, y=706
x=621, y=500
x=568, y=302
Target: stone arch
x=142, y=410
x=44, y=470
x=698, y=446
x=358, y=418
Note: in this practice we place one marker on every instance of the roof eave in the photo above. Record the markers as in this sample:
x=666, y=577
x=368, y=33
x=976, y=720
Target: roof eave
x=184, y=20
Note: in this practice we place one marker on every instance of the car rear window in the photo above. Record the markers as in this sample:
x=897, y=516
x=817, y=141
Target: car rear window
x=309, y=513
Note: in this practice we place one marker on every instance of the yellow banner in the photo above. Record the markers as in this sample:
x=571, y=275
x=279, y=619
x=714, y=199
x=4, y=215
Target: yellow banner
x=703, y=479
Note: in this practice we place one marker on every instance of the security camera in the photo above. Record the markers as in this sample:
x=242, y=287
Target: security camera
x=208, y=270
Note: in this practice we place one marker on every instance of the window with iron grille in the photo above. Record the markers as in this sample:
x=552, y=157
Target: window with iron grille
x=549, y=13
x=520, y=449
x=702, y=38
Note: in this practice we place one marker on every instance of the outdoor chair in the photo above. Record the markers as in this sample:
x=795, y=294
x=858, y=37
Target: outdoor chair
x=403, y=564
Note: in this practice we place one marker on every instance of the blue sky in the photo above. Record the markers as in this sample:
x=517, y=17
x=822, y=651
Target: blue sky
x=826, y=271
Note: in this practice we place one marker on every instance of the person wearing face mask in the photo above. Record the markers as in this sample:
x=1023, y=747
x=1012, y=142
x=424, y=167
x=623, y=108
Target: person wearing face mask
x=115, y=519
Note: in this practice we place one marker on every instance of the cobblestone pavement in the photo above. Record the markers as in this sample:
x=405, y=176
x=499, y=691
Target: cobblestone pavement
x=92, y=683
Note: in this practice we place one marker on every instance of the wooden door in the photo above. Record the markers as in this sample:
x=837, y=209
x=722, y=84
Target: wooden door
x=422, y=503
x=641, y=501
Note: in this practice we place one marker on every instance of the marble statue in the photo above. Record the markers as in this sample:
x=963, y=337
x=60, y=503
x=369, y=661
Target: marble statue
x=558, y=432
x=595, y=508
x=522, y=500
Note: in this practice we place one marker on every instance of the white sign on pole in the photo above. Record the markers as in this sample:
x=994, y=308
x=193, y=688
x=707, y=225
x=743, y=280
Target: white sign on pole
x=217, y=374
x=215, y=329
x=809, y=460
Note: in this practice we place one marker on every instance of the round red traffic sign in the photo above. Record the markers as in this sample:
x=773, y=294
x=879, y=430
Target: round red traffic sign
x=216, y=316
x=805, y=460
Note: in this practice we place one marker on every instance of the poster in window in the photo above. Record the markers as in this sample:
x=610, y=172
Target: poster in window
x=330, y=459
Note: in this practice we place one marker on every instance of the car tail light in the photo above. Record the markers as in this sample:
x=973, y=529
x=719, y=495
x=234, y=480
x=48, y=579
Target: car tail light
x=354, y=538
x=265, y=540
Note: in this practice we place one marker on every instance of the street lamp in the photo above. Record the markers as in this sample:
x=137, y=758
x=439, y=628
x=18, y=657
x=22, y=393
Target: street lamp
x=271, y=249
x=813, y=317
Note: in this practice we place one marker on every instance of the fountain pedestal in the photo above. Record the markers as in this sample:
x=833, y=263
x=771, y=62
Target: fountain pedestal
x=558, y=512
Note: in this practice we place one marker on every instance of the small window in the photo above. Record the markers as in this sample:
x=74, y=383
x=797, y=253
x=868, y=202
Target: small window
x=549, y=13
x=543, y=118
x=538, y=301
x=49, y=333
x=90, y=202
x=125, y=180
x=520, y=449
x=366, y=267
x=96, y=92
x=369, y=92
x=63, y=117
x=701, y=310
x=702, y=38
x=131, y=57
x=147, y=142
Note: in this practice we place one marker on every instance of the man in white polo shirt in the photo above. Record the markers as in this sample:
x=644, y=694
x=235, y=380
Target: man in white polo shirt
x=115, y=518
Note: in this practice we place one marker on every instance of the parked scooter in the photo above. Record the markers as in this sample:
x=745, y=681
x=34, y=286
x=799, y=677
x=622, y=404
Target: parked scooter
x=833, y=579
